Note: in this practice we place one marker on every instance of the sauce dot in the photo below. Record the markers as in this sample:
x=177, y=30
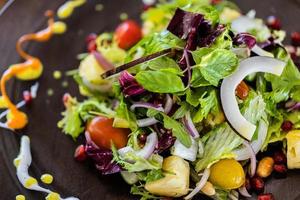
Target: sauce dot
x=65, y=84
x=29, y=182
x=53, y=196
x=59, y=27
x=50, y=92
x=17, y=162
x=99, y=7
x=20, y=197
x=123, y=16
x=57, y=74
x=47, y=178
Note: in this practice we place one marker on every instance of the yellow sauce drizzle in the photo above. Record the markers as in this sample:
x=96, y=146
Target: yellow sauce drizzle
x=47, y=178
x=59, y=27
x=29, y=182
x=30, y=69
x=20, y=197
x=17, y=162
x=53, y=196
x=67, y=9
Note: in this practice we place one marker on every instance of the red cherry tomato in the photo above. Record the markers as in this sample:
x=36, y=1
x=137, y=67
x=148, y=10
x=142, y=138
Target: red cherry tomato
x=103, y=133
x=127, y=34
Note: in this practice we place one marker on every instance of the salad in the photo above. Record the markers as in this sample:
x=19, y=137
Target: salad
x=200, y=100
x=192, y=103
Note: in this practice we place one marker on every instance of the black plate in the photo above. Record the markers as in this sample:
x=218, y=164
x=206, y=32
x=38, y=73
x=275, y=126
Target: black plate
x=52, y=151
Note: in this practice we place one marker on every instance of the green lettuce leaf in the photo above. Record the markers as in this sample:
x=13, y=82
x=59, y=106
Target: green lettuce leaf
x=77, y=114
x=218, y=144
x=133, y=163
x=160, y=82
x=141, y=191
x=124, y=118
x=215, y=64
x=208, y=104
x=152, y=175
x=289, y=79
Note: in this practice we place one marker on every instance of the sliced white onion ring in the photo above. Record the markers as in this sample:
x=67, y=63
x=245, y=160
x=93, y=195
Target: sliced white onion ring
x=146, y=105
x=261, y=52
x=199, y=185
x=252, y=158
x=229, y=84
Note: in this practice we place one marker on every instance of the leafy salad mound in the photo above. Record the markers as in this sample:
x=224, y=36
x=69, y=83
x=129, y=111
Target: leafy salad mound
x=169, y=106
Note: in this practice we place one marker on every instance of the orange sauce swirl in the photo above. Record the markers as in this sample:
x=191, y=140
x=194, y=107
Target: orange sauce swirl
x=30, y=69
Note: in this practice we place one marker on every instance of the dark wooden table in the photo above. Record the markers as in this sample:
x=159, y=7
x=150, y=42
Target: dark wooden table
x=52, y=151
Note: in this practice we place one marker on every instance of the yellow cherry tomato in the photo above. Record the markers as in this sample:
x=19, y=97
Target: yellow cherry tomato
x=227, y=174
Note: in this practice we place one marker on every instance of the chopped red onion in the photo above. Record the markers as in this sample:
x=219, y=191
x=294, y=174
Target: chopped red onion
x=146, y=105
x=187, y=120
x=149, y=147
x=146, y=122
x=252, y=158
x=243, y=191
x=292, y=105
x=168, y=104
x=199, y=185
x=146, y=151
x=103, y=62
x=89, y=139
x=188, y=66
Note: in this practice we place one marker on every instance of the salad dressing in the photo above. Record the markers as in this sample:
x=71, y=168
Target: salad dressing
x=22, y=163
x=28, y=70
x=67, y=9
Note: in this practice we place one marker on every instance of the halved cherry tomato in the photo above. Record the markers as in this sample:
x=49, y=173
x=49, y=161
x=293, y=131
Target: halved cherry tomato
x=127, y=34
x=103, y=133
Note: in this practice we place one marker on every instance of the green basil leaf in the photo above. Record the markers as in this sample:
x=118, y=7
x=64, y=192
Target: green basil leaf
x=215, y=65
x=160, y=82
x=178, y=130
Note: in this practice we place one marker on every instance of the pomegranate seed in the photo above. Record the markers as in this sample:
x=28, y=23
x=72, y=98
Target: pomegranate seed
x=80, y=154
x=143, y=138
x=27, y=96
x=280, y=171
x=279, y=157
x=92, y=46
x=257, y=184
x=295, y=36
x=273, y=23
x=267, y=196
x=287, y=126
x=91, y=37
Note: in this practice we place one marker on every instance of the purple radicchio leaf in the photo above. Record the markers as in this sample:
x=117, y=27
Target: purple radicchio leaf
x=183, y=22
x=165, y=141
x=129, y=85
x=207, y=35
x=103, y=159
x=244, y=39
